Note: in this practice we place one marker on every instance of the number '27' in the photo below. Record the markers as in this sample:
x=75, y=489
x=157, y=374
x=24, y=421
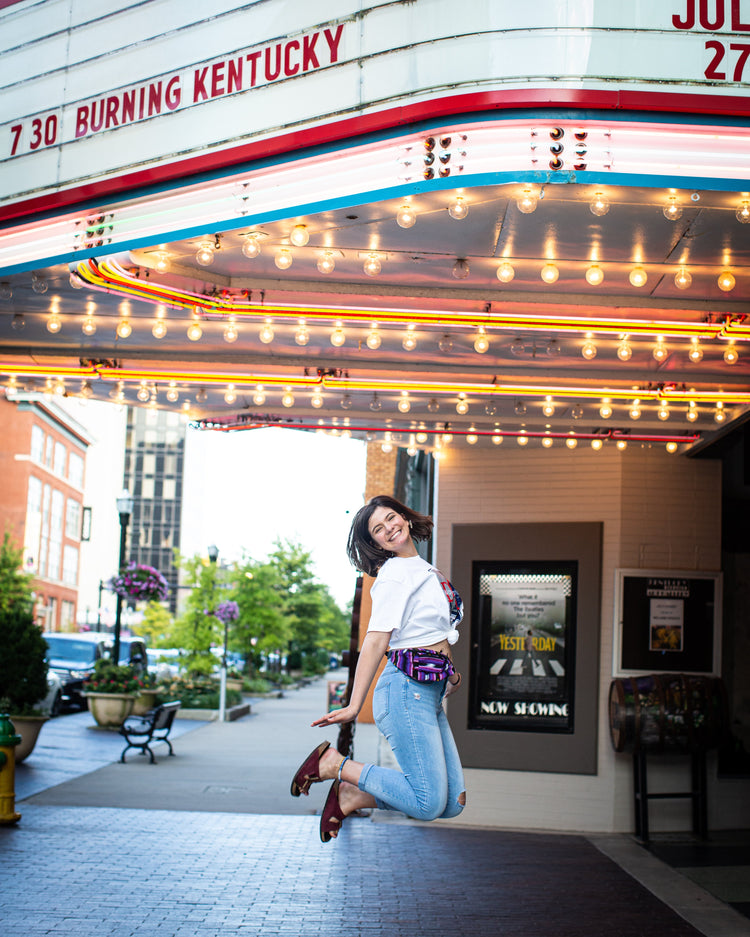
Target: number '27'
x=719, y=52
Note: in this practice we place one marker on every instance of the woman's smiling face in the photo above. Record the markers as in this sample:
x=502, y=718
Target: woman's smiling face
x=390, y=531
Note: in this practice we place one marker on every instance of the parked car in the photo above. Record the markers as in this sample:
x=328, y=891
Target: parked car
x=52, y=704
x=72, y=658
x=163, y=662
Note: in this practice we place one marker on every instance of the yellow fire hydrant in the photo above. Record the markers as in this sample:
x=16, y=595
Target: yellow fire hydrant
x=8, y=742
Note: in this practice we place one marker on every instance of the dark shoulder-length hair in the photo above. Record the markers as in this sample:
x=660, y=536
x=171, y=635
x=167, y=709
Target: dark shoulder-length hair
x=364, y=553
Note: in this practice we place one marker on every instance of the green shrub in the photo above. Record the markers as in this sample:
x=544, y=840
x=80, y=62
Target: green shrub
x=23, y=667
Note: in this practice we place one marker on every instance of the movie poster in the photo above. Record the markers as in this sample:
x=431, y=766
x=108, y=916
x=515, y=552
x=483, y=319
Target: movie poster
x=524, y=632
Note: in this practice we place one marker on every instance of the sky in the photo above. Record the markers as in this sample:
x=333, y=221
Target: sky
x=245, y=489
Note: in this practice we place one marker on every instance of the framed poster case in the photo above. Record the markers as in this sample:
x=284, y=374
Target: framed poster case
x=667, y=621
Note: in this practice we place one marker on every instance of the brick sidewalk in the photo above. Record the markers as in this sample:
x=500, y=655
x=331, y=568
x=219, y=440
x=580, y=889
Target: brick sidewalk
x=103, y=872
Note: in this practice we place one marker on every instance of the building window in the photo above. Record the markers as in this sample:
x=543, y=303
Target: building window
x=67, y=616
x=147, y=489
x=49, y=446
x=37, y=444
x=149, y=464
x=73, y=520
x=75, y=470
x=33, y=526
x=55, y=536
x=169, y=489
x=60, y=454
x=44, y=538
x=70, y=566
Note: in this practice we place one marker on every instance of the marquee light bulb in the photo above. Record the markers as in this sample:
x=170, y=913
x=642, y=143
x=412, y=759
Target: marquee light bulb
x=497, y=439
x=459, y=208
x=230, y=332
x=266, y=333
x=251, y=246
x=54, y=323
x=638, y=276
x=588, y=350
x=549, y=273
x=571, y=442
x=259, y=397
x=172, y=393
x=229, y=394
x=671, y=446
x=527, y=201
x=481, y=342
x=596, y=444
x=696, y=352
x=726, y=281
x=373, y=339
x=409, y=341
x=692, y=412
x=605, y=411
x=205, y=254
x=460, y=269
x=682, y=279
x=337, y=336
x=522, y=440
x=89, y=326
x=283, y=258
x=159, y=328
x=162, y=262
x=124, y=328
x=505, y=272
x=624, y=351
x=299, y=235
x=599, y=205
x=288, y=399
x=622, y=444
x=326, y=264
x=731, y=355
x=302, y=335
x=547, y=441
x=406, y=217
x=743, y=213
x=594, y=275
x=317, y=400
x=660, y=351
x=672, y=210
x=372, y=266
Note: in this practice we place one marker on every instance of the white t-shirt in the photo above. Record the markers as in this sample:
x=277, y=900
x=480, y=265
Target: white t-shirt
x=408, y=600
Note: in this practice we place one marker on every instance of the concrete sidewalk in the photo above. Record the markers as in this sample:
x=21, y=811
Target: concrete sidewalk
x=210, y=842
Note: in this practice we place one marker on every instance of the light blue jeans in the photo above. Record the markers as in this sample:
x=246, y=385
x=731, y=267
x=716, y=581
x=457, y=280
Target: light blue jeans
x=410, y=715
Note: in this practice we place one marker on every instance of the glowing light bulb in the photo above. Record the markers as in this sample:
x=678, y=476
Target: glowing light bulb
x=719, y=413
x=743, y=213
x=205, y=254
x=726, y=281
x=505, y=272
x=622, y=444
x=229, y=394
x=549, y=273
x=302, y=335
x=471, y=438
x=259, y=397
x=638, y=276
x=731, y=355
x=462, y=407
x=571, y=442
x=404, y=404
x=406, y=217
x=663, y=411
x=481, y=342
x=547, y=441
x=317, y=400
x=283, y=258
x=599, y=205
x=288, y=398
x=696, y=352
x=337, y=336
x=497, y=439
x=89, y=326
x=421, y=438
x=596, y=444
x=326, y=263
x=458, y=208
x=172, y=393
x=527, y=201
x=162, y=262
x=372, y=265
x=605, y=411
x=672, y=210
x=624, y=351
x=124, y=328
x=522, y=440
x=548, y=407
x=635, y=411
x=159, y=328
x=373, y=339
x=54, y=323
x=251, y=246
x=594, y=275
x=588, y=350
x=409, y=341
x=143, y=392
x=230, y=332
x=194, y=331
x=671, y=446
x=682, y=279
x=660, y=350
x=692, y=412
x=299, y=235
x=266, y=333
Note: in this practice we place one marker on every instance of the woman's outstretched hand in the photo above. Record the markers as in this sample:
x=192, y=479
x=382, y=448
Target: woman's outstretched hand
x=347, y=714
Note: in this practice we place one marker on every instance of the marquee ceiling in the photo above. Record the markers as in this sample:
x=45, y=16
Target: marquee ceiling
x=639, y=333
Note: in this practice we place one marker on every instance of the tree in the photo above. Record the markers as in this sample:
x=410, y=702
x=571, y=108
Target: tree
x=15, y=585
x=157, y=625
x=262, y=628
x=196, y=630
x=23, y=665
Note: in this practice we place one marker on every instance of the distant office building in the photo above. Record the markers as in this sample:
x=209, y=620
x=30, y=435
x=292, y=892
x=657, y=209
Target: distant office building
x=154, y=462
x=41, y=500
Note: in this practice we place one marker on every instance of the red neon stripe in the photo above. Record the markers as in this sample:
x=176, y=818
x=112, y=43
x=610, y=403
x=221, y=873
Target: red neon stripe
x=350, y=127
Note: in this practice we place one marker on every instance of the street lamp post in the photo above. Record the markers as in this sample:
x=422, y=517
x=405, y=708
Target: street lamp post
x=213, y=555
x=124, y=509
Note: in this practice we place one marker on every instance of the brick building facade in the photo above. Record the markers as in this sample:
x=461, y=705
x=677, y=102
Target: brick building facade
x=41, y=503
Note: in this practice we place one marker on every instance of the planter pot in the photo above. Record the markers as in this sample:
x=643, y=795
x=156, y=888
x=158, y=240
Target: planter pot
x=28, y=727
x=145, y=702
x=110, y=710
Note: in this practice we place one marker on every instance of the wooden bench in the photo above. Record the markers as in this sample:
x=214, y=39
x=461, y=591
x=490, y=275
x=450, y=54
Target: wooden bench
x=153, y=727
